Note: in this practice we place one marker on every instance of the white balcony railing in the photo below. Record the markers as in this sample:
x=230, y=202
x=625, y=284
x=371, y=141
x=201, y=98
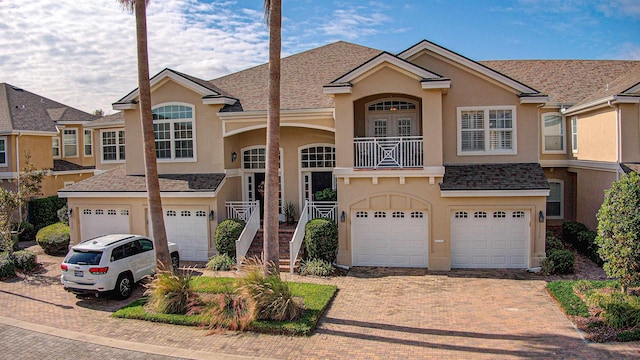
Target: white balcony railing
x=312, y=210
x=388, y=152
x=249, y=212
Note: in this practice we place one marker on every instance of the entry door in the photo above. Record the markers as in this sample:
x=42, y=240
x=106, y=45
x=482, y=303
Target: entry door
x=315, y=181
x=392, y=125
x=254, y=189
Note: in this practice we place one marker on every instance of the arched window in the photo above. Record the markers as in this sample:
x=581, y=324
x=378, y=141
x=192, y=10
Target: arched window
x=173, y=129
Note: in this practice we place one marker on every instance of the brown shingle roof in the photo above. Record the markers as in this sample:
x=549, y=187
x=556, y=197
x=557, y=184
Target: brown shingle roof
x=565, y=81
x=64, y=165
x=617, y=86
x=494, y=177
x=113, y=119
x=302, y=78
x=116, y=180
x=23, y=110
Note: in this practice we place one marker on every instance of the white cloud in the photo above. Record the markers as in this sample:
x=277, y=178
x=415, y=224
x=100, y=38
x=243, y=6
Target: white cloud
x=354, y=22
x=83, y=54
x=628, y=51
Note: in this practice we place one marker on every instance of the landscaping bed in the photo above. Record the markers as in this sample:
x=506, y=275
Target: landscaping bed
x=599, y=309
x=316, y=299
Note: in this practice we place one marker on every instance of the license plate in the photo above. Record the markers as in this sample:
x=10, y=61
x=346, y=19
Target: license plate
x=77, y=273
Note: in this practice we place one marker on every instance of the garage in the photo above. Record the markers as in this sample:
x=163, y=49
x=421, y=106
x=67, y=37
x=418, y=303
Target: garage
x=392, y=238
x=490, y=238
x=189, y=228
x=101, y=220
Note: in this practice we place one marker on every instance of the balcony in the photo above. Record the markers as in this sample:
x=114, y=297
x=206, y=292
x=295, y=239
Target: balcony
x=388, y=152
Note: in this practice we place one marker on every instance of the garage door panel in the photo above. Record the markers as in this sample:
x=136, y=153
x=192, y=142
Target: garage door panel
x=188, y=227
x=103, y=220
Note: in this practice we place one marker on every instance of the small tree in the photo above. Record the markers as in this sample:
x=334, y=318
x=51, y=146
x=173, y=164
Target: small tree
x=619, y=231
x=28, y=186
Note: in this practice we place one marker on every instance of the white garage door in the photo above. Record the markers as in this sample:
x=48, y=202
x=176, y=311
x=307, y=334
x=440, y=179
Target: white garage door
x=188, y=227
x=103, y=220
x=389, y=238
x=489, y=239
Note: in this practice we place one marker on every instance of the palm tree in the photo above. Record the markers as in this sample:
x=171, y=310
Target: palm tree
x=273, y=16
x=158, y=231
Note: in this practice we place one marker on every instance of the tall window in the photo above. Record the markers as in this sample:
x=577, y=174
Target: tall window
x=88, y=143
x=113, y=145
x=574, y=134
x=55, y=147
x=173, y=132
x=486, y=130
x=70, y=142
x=553, y=134
x=555, y=206
x=3, y=151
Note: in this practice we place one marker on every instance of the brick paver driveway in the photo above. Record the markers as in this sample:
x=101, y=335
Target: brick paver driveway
x=377, y=313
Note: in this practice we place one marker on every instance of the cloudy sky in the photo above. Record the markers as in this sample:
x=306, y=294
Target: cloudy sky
x=82, y=53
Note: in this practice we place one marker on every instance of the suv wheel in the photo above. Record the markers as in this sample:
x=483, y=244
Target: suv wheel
x=124, y=286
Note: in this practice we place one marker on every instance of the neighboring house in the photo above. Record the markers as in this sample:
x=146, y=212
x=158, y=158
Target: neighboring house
x=109, y=140
x=437, y=159
x=51, y=133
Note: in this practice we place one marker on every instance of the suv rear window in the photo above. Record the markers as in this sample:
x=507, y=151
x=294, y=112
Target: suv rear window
x=84, y=257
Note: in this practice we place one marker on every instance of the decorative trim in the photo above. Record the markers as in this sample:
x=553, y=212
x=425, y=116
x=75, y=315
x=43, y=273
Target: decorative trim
x=596, y=104
x=218, y=100
x=72, y=172
x=493, y=193
x=287, y=118
x=535, y=99
x=141, y=194
x=124, y=105
x=581, y=164
x=430, y=172
x=391, y=59
x=8, y=175
x=32, y=133
x=436, y=84
x=232, y=172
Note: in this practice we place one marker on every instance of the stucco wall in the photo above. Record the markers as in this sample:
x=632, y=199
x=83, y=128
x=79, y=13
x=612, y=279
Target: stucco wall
x=569, y=187
x=597, y=136
x=590, y=185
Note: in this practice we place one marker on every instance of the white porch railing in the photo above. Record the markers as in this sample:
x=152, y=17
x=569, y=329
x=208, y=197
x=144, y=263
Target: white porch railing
x=248, y=211
x=388, y=152
x=312, y=210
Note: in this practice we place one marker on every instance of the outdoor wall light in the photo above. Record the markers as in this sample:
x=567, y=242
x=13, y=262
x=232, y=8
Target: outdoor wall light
x=212, y=215
x=540, y=216
x=234, y=156
x=343, y=217
x=70, y=213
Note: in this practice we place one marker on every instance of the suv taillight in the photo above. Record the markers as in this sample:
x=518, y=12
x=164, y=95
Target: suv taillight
x=99, y=271
x=64, y=267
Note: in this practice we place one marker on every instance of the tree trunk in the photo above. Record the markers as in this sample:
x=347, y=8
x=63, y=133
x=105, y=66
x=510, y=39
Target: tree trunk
x=271, y=211
x=158, y=232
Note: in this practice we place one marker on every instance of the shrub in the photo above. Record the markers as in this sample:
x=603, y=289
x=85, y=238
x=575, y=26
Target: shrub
x=583, y=286
x=272, y=296
x=570, y=230
x=227, y=232
x=231, y=311
x=620, y=310
x=559, y=262
x=7, y=268
x=63, y=214
x=321, y=239
x=26, y=231
x=619, y=231
x=552, y=243
x=632, y=335
x=315, y=267
x=587, y=245
x=327, y=194
x=54, y=239
x=44, y=212
x=170, y=293
x=24, y=260
x=221, y=262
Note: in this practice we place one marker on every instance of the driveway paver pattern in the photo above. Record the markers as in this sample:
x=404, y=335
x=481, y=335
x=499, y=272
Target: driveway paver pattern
x=377, y=314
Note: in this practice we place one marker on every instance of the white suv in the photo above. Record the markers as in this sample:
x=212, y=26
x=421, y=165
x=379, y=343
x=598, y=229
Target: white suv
x=111, y=263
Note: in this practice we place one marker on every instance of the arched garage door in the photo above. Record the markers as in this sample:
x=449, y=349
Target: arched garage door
x=392, y=238
x=490, y=239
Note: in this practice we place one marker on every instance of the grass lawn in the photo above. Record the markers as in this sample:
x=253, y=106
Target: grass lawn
x=592, y=320
x=316, y=299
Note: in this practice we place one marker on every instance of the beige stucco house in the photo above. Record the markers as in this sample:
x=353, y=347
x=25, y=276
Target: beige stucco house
x=439, y=161
x=52, y=133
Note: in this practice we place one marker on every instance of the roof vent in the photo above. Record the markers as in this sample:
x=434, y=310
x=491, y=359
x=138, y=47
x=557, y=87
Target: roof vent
x=17, y=89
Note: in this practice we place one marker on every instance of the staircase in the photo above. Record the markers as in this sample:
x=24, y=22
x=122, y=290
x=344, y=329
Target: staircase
x=284, y=237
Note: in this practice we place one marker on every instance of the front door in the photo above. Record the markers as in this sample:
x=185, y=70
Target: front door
x=315, y=181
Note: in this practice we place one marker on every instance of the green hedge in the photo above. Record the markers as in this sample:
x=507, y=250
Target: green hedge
x=570, y=231
x=7, y=268
x=44, y=212
x=552, y=243
x=227, y=232
x=586, y=244
x=321, y=239
x=54, y=239
x=24, y=260
x=559, y=262
x=27, y=231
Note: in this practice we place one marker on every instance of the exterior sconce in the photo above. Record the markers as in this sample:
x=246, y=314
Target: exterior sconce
x=540, y=216
x=234, y=156
x=212, y=215
x=70, y=212
x=343, y=217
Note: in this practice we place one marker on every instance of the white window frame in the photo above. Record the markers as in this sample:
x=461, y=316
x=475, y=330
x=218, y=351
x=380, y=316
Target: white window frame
x=561, y=200
x=574, y=134
x=55, y=144
x=4, y=163
x=87, y=140
x=172, y=139
x=487, y=130
x=304, y=172
x=119, y=157
x=75, y=140
x=562, y=133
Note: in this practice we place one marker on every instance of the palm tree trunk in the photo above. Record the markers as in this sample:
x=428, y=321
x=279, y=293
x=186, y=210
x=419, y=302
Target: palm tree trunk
x=158, y=232
x=273, y=9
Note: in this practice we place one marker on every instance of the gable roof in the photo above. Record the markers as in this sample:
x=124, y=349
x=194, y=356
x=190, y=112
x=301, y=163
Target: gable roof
x=626, y=85
x=112, y=120
x=302, y=77
x=565, y=81
x=64, y=165
x=21, y=110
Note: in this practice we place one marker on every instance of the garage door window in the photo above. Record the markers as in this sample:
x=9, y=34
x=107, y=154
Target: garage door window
x=171, y=213
x=201, y=213
x=185, y=213
x=380, y=214
x=398, y=215
x=518, y=214
x=417, y=215
x=499, y=215
x=362, y=214
x=479, y=214
x=461, y=215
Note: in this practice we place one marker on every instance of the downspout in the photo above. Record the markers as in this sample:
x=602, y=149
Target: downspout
x=618, y=139
x=18, y=170
x=541, y=129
